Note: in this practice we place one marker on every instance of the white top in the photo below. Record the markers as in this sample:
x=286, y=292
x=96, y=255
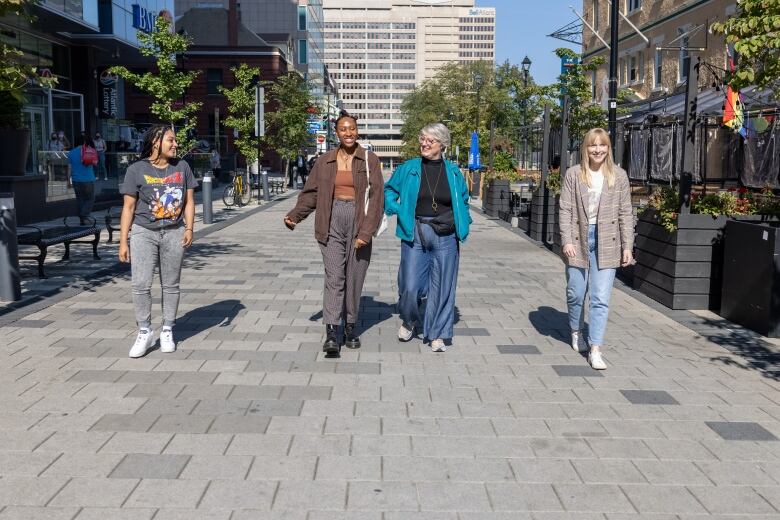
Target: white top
x=100, y=145
x=594, y=195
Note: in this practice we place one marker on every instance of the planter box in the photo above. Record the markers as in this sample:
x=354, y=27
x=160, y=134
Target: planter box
x=751, y=277
x=543, y=217
x=681, y=270
x=496, y=198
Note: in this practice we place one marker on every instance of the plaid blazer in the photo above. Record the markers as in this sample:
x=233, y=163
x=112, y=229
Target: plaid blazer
x=615, y=219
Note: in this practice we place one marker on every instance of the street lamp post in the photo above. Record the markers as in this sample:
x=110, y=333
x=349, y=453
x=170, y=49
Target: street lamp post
x=526, y=66
x=478, y=85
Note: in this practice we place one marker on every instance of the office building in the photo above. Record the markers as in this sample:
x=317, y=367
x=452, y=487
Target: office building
x=379, y=51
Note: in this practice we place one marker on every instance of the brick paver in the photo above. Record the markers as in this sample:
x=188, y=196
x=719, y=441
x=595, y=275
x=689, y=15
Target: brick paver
x=249, y=420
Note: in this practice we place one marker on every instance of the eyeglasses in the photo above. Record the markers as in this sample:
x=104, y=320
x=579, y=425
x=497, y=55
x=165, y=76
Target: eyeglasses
x=427, y=140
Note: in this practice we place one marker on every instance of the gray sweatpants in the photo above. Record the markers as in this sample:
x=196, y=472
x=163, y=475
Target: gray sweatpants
x=345, y=266
x=149, y=250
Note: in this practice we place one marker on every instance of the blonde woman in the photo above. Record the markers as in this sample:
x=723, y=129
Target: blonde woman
x=597, y=232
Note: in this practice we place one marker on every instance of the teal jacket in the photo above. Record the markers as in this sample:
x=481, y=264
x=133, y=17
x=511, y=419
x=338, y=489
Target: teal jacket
x=401, y=198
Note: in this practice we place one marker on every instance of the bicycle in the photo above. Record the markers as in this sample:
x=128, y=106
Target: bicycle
x=239, y=192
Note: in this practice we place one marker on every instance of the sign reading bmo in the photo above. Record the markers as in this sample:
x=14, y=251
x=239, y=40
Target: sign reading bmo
x=143, y=18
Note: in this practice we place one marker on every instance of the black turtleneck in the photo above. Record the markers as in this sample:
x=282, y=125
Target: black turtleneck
x=433, y=186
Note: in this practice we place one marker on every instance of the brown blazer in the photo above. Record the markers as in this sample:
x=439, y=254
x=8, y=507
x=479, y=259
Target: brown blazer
x=615, y=220
x=318, y=194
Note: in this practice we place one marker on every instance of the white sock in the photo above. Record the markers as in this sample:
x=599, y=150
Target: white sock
x=167, y=327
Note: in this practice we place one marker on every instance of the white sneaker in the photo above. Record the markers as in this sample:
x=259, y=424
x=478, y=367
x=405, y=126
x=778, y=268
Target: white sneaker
x=596, y=361
x=405, y=334
x=167, y=344
x=143, y=341
x=575, y=341
x=438, y=345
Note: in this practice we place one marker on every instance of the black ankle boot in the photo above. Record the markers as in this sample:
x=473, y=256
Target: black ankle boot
x=350, y=339
x=331, y=345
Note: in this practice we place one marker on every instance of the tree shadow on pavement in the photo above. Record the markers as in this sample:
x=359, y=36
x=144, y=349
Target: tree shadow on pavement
x=217, y=314
x=755, y=352
x=551, y=322
x=200, y=254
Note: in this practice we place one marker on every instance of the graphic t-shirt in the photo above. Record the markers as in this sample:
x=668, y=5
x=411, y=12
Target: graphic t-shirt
x=161, y=192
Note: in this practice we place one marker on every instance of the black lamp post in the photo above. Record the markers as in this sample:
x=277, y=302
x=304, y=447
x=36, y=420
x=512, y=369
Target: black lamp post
x=478, y=85
x=526, y=66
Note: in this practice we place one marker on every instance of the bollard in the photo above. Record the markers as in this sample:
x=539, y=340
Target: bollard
x=10, y=280
x=266, y=192
x=208, y=217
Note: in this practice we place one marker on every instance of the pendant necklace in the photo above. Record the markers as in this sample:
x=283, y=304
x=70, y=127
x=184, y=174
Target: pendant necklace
x=434, y=205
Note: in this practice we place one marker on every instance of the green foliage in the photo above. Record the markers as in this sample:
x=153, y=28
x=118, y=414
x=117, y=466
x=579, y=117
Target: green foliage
x=15, y=74
x=755, y=33
x=450, y=96
x=168, y=86
x=554, y=181
x=286, y=130
x=732, y=202
x=241, y=110
x=584, y=114
x=503, y=162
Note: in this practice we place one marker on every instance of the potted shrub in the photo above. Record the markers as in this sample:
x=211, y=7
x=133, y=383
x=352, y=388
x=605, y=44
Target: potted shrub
x=16, y=75
x=680, y=256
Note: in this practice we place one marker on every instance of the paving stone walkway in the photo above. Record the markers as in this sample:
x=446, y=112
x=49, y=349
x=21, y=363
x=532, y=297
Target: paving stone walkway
x=248, y=420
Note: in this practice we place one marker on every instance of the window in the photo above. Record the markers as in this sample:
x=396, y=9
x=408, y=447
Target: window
x=303, y=52
x=593, y=85
x=658, y=69
x=634, y=5
x=302, y=18
x=596, y=15
x=213, y=81
x=635, y=68
x=685, y=57
x=622, y=71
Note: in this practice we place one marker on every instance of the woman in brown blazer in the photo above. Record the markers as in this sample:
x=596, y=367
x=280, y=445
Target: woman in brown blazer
x=597, y=232
x=336, y=188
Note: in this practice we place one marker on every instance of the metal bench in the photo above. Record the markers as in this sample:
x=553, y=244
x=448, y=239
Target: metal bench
x=277, y=185
x=43, y=238
x=113, y=214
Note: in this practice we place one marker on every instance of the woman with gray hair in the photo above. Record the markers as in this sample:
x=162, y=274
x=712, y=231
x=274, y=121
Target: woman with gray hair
x=430, y=197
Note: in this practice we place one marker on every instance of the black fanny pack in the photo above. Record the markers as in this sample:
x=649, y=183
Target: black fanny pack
x=443, y=224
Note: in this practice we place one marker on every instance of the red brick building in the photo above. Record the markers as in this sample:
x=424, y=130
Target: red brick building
x=219, y=42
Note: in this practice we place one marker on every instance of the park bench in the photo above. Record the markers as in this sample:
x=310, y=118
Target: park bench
x=113, y=215
x=277, y=185
x=66, y=234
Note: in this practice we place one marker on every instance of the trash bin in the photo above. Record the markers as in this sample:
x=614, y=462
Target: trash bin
x=10, y=280
x=751, y=276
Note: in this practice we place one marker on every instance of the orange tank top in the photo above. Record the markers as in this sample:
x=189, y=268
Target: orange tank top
x=345, y=188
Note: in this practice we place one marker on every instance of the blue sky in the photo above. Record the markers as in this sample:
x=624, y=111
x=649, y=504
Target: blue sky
x=522, y=27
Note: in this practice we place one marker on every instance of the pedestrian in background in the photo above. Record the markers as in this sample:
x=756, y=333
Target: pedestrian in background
x=597, y=232
x=81, y=172
x=159, y=205
x=216, y=163
x=343, y=226
x=100, y=146
x=430, y=197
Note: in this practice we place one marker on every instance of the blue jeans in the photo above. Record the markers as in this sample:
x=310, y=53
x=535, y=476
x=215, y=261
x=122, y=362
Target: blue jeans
x=429, y=269
x=600, y=281
x=85, y=198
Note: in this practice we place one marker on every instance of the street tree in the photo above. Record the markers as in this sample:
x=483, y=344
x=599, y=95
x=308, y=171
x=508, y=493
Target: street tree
x=241, y=111
x=584, y=113
x=168, y=85
x=472, y=96
x=287, y=130
x=754, y=31
x=15, y=71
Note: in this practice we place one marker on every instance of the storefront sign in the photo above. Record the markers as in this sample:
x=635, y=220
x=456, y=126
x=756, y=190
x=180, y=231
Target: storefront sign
x=143, y=18
x=108, y=95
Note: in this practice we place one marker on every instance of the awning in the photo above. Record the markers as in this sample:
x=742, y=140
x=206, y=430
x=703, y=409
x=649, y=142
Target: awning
x=708, y=103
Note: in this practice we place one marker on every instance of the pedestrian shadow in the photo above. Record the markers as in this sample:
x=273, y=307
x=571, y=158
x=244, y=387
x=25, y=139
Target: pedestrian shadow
x=199, y=255
x=373, y=312
x=551, y=322
x=217, y=314
x=754, y=352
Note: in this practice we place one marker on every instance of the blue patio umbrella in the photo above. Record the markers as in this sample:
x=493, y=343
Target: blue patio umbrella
x=474, y=160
